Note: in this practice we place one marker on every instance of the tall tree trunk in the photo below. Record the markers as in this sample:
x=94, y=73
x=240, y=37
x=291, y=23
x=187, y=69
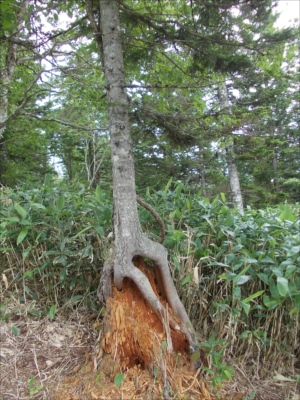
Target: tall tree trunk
x=7, y=71
x=275, y=169
x=234, y=180
x=202, y=180
x=6, y=75
x=129, y=240
x=92, y=161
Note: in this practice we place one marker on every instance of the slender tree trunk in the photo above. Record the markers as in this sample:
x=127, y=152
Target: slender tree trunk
x=234, y=179
x=129, y=240
x=92, y=161
x=7, y=72
x=6, y=75
x=275, y=168
x=202, y=180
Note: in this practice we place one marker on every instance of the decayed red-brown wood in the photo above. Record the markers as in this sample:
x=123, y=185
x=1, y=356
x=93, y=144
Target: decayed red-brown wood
x=132, y=332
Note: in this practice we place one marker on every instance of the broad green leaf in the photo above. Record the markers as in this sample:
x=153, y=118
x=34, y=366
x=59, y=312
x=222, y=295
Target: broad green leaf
x=223, y=197
x=276, y=271
x=246, y=307
x=282, y=286
x=38, y=206
x=235, y=279
x=267, y=260
x=52, y=312
x=188, y=204
x=237, y=248
x=287, y=214
x=82, y=231
x=186, y=279
x=100, y=230
x=15, y=330
x=242, y=279
x=176, y=263
x=12, y=220
x=25, y=222
x=52, y=252
x=75, y=299
x=61, y=260
x=289, y=270
x=98, y=193
x=216, y=263
x=63, y=274
x=173, y=215
x=293, y=251
x=270, y=303
x=119, y=378
x=297, y=301
x=26, y=252
x=178, y=235
x=237, y=292
x=215, y=202
x=285, y=263
x=251, y=260
x=20, y=210
x=253, y=296
x=209, y=222
x=178, y=189
x=245, y=334
x=22, y=235
x=47, y=181
x=263, y=277
x=227, y=373
x=168, y=185
x=60, y=201
x=229, y=276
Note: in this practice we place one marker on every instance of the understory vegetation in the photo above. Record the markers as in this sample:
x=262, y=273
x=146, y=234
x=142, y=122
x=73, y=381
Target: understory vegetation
x=238, y=274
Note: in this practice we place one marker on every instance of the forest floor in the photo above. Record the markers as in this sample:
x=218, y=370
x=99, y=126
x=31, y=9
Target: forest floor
x=61, y=360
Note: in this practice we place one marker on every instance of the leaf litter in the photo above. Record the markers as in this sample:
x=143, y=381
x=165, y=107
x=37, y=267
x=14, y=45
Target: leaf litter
x=62, y=360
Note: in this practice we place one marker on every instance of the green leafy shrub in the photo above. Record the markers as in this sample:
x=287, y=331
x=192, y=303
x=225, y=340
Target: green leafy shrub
x=52, y=241
x=238, y=275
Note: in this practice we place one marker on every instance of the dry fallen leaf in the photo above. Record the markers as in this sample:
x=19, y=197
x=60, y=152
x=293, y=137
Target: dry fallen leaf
x=76, y=368
x=282, y=378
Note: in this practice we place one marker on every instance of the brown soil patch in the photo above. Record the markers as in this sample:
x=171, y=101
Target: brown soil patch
x=63, y=358
x=34, y=353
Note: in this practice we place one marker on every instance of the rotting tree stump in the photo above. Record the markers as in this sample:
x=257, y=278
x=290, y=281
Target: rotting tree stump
x=132, y=332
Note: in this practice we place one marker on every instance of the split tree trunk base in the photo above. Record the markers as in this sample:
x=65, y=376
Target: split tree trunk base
x=132, y=332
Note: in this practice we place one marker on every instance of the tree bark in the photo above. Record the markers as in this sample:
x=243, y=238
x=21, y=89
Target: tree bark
x=129, y=240
x=234, y=180
x=275, y=169
x=202, y=180
x=7, y=72
x=92, y=161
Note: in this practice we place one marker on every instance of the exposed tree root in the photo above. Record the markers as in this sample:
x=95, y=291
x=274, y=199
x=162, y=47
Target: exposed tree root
x=136, y=325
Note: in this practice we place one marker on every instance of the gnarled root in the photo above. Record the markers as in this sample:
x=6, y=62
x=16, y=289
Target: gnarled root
x=120, y=265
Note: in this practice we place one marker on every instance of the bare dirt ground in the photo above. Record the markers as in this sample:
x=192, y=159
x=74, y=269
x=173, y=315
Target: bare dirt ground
x=61, y=360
